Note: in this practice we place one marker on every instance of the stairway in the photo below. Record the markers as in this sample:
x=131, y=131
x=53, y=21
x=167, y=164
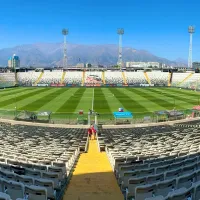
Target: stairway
x=63, y=77
x=185, y=79
x=103, y=78
x=83, y=78
x=93, y=178
x=39, y=78
x=124, y=78
x=147, y=78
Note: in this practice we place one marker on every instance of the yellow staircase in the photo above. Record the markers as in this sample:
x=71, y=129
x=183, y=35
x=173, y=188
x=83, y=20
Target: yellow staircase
x=169, y=78
x=93, y=178
x=103, y=78
x=83, y=78
x=185, y=79
x=147, y=78
x=39, y=78
x=124, y=78
x=63, y=77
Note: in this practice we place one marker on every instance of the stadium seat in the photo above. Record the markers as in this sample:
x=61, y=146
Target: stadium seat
x=155, y=178
x=14, y=189
x=182, y=194
x=145, y=191
x=164, y=187
x=185, y=181
x=53, y=177
x=4, y=196
x=132, y=184
x=49, y=185
x=35, y=192
x=26, y=180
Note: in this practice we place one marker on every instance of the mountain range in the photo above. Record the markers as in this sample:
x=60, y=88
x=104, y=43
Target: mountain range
x=51, y=54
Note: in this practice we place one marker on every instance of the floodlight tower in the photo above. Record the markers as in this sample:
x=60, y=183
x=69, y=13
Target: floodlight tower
x=120, y=32
x=191, y=30
x=65, y=33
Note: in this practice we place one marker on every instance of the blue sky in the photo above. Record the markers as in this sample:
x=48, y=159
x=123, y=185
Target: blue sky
x=155, y=25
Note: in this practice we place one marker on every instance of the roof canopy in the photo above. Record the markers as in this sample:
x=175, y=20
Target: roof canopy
x=161, y=112
x=169, y=113
x=44, y=113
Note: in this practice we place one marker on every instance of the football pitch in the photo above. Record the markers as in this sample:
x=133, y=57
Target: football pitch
x=101, y=100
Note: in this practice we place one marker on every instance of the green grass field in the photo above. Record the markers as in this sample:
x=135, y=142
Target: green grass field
x=103, y=100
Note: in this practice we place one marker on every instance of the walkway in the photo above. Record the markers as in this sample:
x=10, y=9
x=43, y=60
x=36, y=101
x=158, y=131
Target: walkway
x=93, y=178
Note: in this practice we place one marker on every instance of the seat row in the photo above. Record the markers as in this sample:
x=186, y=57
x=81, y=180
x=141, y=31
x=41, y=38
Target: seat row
x=154, y=174
x=38, y=157
x=152, y=155
x=166, y=190
x=151, y=143
x=12, y=190
x=168, y=164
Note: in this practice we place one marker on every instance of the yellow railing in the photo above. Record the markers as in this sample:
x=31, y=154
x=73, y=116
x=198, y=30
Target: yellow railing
x=186, y=78
x=147, y=78
x=63, y=77
x=103, y=78
x=83, y=78
x=124, y=78
x=169, y=78
x=39, y=78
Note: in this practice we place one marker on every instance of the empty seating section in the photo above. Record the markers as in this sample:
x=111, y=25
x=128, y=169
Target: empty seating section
x=73, y=77
x=7, y=79
x=187, y=80
x=93, y=77
x=158, y=78
x=160, y=162
x=135, y=78
x=36, y=161
x=27, y=78
x=53, y=77
x=192, y=82
x=113, y=77
x=178, y=78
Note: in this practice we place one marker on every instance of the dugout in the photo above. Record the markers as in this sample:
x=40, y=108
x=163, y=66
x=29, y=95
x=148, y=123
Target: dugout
x=123, y=117
x=161, y=115
x=41, y=116
x=175, y=115
x=165, y=115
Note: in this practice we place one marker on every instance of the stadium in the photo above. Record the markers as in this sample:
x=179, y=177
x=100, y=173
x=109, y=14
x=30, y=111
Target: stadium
x=147, y=135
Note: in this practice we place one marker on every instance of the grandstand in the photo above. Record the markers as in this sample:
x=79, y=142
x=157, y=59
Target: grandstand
x=155, y=162
x=83, y=78
x=7, y=79
x=150, y=161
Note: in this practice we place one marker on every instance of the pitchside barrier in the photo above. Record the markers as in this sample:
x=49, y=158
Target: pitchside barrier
x=7, y=84
x=104, y=118
x=89, y=85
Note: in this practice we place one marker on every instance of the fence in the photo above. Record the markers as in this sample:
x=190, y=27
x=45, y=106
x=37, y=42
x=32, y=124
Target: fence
x=103, y=118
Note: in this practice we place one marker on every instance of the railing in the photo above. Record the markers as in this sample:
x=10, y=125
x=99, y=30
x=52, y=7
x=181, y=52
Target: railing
x=103, y=118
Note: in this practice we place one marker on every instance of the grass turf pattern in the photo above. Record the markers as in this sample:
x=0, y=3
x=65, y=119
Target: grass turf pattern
x=71, y=104
x=100, y=103
x=71, y=100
